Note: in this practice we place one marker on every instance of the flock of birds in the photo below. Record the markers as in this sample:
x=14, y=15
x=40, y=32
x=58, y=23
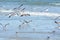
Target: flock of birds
x=18, y=10
x=25, y=21
x=13, y=14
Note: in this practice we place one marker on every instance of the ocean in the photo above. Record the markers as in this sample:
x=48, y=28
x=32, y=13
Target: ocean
x=40, y=28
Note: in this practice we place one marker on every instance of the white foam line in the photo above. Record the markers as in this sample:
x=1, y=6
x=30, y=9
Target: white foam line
x=55, y=3
x=34, y=13
x=42, y=14
x=6, y=11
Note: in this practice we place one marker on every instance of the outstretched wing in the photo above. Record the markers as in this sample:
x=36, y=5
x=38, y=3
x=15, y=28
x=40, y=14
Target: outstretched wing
x=18, y=7
x=6, y=24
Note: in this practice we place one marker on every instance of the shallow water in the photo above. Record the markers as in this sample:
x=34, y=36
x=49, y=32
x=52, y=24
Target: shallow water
x=38, y=29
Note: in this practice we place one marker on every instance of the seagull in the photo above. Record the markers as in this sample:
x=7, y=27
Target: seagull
x=53, y=31
x=4, y=26
x=27, y=21
x=25, y=15
x=12, y=14
x=46, y=10
x=48, y=38
x=24, y=23
x=23, y=9
x=57, y=22
x=20, y=5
